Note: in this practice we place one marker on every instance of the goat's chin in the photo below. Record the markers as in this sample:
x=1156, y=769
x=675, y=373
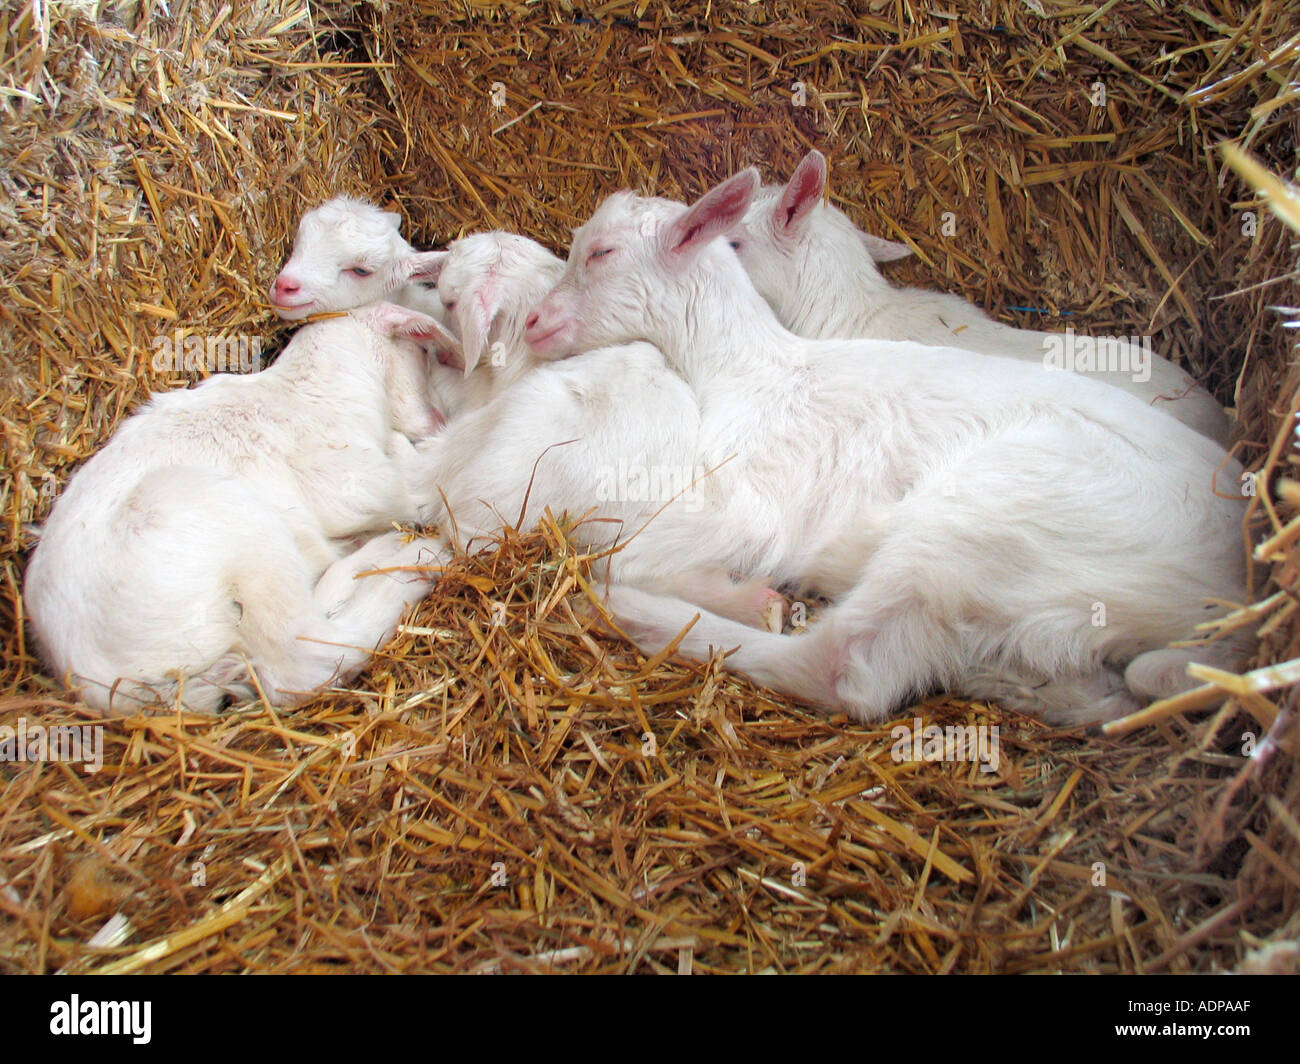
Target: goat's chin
x=554, y=353
x=553, y=346
x=294, y=313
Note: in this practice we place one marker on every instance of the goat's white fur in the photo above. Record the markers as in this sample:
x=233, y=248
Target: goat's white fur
x=535, y=436
x=819, y=273
x=488, y=283
x=557, y=436
x=216, y=531
x=983, y=526
x=345, y=235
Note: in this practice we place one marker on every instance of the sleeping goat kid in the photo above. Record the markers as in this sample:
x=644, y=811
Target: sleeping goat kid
x=348, y=254
x=488, y=283
x=214, y=532
x=819, y=272
x=981, y=525
x=609, y=433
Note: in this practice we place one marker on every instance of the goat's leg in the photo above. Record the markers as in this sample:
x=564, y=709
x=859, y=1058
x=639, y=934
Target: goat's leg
x=751, y=602
x=392, y=564
x=906, y=629
x=1163, y=673
x=300, y=637
x=794, y=665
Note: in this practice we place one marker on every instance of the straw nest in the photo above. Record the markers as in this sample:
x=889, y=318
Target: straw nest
x=503, y=789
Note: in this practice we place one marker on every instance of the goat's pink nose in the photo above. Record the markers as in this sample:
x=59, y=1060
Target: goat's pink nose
x=286, y=286
x=533, y=319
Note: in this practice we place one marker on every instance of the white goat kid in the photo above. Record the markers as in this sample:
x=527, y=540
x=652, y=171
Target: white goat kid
x=347, y=254
x=610, y=433
x=983, y=526
x=819, y=272
x=214, y=533
x=488, y=282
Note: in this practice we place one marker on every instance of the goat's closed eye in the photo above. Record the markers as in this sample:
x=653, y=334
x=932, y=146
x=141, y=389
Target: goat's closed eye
x=599, y=253
x=359, y=271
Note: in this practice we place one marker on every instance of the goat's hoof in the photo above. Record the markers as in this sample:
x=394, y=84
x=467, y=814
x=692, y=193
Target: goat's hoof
x=772, y=611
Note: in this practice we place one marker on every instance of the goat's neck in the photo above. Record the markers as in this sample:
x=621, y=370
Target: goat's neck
x=725, y=330
x=832, y=291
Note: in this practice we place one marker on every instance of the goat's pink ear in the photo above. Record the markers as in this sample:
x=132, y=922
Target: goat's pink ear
x=445, y=345
x=426, y=266
x=713, y=214
x=442, y=342
x=801, y=194
x=479, y=308
x=404, y=323
x=391, y=319
x=446, y=348
x=432, y=331
x=882, y=250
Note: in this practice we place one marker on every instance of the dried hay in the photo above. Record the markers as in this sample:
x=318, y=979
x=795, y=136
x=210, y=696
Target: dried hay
x=504, y=790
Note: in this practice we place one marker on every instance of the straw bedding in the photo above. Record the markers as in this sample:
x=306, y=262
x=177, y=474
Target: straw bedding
x=503, y=789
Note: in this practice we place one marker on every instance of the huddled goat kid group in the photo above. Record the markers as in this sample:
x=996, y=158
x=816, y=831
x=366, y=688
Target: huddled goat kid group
x=977, y=521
